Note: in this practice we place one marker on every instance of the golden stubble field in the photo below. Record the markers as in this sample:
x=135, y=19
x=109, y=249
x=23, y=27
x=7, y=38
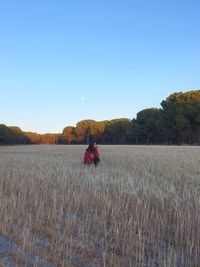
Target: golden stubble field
x=139, y=207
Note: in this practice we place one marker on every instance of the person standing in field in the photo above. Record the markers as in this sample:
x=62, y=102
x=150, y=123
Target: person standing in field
x=91, y=155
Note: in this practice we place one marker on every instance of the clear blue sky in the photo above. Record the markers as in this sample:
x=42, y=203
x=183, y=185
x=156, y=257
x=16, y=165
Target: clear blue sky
x=63, y=61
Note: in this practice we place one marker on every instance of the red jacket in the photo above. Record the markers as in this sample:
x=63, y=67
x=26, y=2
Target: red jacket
x=90, y=156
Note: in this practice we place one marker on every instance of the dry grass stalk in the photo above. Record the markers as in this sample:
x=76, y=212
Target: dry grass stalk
x=140, y=207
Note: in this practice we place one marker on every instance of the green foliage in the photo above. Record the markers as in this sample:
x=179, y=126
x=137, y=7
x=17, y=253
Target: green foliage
x=181, y=117
x=147, y=127
x=176, y=122
x=118, y=131
x=11, y=135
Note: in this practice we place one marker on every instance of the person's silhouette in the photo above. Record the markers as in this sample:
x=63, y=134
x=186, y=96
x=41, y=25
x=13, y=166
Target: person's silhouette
x=91, y=155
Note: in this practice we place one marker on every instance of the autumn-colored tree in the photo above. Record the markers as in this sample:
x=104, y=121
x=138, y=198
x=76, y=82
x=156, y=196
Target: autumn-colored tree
x=68, y=135
x=96, y=131
x=176, y=122
x=83, y=129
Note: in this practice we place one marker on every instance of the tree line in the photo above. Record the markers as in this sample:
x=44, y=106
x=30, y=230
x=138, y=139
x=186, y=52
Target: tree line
x=176, y=122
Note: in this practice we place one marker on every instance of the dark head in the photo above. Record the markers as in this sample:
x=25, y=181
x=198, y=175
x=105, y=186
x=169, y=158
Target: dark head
x=92, y=146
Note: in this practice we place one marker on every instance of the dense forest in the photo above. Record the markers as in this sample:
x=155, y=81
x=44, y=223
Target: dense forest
x=176, y=122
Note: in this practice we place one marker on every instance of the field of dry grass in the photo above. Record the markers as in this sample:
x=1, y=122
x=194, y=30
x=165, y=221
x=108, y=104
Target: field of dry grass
x=140, y=207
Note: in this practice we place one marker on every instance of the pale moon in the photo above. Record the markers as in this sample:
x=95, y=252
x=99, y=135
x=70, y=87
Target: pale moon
x=83, y=98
